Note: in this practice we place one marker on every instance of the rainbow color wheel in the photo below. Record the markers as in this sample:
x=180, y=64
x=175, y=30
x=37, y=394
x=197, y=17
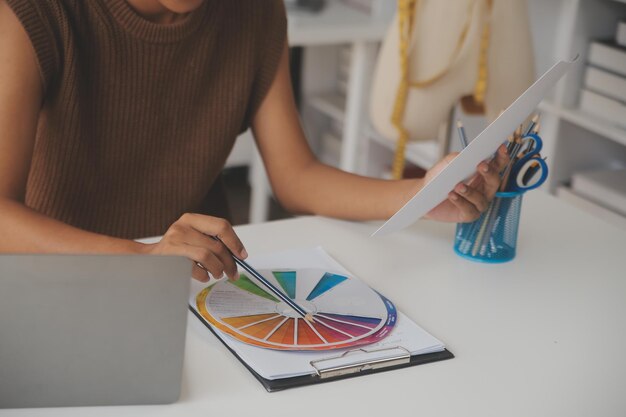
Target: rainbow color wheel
x=346, y=312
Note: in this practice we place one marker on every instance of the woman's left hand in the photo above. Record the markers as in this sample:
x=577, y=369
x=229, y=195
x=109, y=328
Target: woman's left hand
x=468, y=200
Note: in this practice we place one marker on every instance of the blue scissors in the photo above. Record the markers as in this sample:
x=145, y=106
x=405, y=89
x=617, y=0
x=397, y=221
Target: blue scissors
x=530, y=170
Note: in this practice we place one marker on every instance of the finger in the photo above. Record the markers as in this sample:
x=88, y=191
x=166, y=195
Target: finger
x=501, y=159
x=225, y=257
x=495, y=166
x=199, y=274
x=475, y=180
x=490, y=178
x=207, y=259
x=220, y=228
x=467, y=211
x=195, y=238
x=473, y=196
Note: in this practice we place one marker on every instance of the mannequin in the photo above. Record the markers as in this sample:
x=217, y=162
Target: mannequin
x=444, y=62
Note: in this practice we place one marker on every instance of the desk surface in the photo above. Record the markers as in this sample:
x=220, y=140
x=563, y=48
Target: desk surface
x=543, y=335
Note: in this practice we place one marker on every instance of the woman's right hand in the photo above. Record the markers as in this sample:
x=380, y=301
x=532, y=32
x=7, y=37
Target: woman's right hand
x=194, y=236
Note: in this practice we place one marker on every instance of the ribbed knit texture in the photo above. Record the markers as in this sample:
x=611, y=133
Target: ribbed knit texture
x=138, y=118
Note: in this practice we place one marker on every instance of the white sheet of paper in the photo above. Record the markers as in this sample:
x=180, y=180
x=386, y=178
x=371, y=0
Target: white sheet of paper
x=483, y=146
x=274, y=364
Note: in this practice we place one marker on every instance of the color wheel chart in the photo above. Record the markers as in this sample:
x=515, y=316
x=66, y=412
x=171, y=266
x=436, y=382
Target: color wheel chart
x=346, y=312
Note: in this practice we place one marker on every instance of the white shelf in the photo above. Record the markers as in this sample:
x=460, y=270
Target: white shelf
x=595, y=124
x=335, y=24
x=565, y=193
x=330, y=104
x=423, y=154
x=587, y=121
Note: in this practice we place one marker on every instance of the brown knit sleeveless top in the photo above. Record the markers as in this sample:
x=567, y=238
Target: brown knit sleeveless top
x=138, y=118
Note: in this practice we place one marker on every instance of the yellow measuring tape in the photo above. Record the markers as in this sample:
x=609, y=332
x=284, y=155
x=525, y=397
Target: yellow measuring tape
x=481, y=83
x=406, y=18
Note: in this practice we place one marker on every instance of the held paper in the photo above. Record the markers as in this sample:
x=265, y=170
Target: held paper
x=478, y=150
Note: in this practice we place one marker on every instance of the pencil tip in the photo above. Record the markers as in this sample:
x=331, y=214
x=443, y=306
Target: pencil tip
x=459, y=123
x=308, y=317
x=536, y=128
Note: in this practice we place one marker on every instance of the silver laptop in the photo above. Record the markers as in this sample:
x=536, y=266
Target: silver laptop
x=91, y=330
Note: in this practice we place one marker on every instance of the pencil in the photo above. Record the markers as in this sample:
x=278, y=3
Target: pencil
x=462, y=135
x=482, y=229
x=537, y=128
x=268, y=285
x=307, y=316
x=516, y=137
x=532, y=124
x=533, y=128
x=514, y=146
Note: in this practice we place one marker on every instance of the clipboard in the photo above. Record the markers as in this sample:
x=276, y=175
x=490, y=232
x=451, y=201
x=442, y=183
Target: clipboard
x=338, y=366
x=278, y=370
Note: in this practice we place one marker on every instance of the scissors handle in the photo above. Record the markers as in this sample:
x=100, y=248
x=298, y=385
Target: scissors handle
x=530, y=171
x=533, y=144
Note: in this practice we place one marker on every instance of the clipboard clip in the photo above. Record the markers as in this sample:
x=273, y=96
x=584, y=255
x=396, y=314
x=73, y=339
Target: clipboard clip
x=352, y=361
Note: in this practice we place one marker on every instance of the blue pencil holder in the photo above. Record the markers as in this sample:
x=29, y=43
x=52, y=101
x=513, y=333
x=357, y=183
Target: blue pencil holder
x=493, y=237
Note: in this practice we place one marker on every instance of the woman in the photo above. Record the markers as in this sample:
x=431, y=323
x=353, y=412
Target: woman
x=116, y=117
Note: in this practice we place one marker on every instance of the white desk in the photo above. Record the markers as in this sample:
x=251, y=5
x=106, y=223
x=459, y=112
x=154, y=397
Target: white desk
x=544, y=335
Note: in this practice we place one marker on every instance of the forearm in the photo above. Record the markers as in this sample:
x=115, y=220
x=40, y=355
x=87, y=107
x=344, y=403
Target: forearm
x=300, y=182
x=24, y=230
x=324, y=190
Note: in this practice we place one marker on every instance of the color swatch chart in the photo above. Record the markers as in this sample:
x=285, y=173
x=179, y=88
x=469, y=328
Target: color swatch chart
x=346, y=312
